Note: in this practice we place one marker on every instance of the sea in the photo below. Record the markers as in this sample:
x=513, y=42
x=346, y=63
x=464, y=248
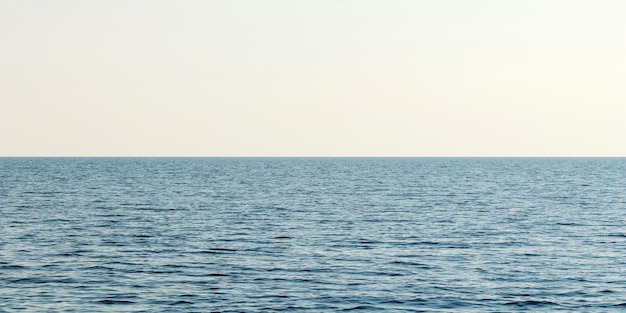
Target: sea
x=312, y=234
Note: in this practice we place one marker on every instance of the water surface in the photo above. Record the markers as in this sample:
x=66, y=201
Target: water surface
x=312, y=234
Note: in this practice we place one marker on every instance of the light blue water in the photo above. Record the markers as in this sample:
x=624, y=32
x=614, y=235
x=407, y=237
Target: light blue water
x=319, y=234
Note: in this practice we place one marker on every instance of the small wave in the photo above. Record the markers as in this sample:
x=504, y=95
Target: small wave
x=181, y=302
x=410, y=263
x=283, y=237
x=98, y=268
x=143, y=236
x=43, y=193
x=214, y=251
x=531, y=303
x=361, y=307
x=12, y=267
x=27, y=280
x=417, y=243
x=115, y=302
x=367, y=242
x=616, y=235
x=222, y=249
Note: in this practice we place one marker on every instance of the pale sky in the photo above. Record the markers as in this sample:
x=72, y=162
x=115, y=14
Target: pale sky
x=313, y=78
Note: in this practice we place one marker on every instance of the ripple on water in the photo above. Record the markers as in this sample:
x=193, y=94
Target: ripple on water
x=263, y=235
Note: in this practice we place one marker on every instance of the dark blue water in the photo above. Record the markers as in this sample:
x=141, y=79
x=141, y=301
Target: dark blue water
x=283, y=234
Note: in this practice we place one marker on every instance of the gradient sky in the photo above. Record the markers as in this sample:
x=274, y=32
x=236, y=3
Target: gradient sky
x=313, y=78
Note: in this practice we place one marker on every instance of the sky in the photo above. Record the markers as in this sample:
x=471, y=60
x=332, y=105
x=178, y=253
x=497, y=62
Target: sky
x=313, y=78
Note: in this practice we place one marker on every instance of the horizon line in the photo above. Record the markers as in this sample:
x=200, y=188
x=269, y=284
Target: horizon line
x=311, y=156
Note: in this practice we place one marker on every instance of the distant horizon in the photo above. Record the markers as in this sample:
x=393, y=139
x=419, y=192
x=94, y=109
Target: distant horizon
x=309, y=157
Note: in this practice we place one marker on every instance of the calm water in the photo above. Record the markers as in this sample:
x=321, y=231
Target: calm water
x=263, y=235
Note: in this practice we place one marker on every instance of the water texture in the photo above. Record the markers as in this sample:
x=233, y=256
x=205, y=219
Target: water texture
x=312, y=234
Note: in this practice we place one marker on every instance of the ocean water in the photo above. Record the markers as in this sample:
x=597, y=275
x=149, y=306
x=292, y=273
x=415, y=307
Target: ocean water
x=312, y=234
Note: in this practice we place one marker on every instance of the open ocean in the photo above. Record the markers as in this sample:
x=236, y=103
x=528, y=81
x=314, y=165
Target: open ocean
x=312, y=234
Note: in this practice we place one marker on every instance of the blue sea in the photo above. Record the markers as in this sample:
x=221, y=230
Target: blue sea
x=312, y=234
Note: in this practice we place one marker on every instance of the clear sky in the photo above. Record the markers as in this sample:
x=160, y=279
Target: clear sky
x=313, y=78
